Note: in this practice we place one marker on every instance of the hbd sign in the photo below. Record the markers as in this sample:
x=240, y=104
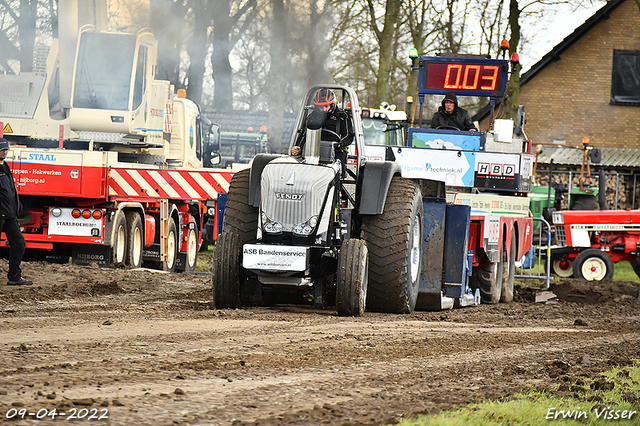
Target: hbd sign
x=496, y=169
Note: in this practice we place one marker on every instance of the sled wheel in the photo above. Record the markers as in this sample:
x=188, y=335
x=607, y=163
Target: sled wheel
x=508, y=272
x=488, y=279
x=135, y=242
x=351, y=286
x=226, y=271
x=593, y=265
x=119, y=248
x=394, y=240
x=172, y=246
x=191, y=255
x=240, y=217
x=562, y=267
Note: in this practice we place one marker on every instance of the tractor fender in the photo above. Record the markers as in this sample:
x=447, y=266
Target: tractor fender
x=257, y=166
x=373, y=185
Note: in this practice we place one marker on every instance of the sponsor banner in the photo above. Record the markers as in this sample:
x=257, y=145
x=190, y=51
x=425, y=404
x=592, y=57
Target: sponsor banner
x=494, y=204
x=455, y=168
x=274, y=258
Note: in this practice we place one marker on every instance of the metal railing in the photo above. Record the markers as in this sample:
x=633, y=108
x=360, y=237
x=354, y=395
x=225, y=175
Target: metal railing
x=536, y=264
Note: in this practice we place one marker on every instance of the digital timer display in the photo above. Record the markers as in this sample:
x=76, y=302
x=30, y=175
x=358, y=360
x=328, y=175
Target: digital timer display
x=463, y=76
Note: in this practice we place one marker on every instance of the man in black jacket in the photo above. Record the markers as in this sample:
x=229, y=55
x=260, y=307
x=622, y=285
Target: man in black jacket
x=9, y=208
x=450, y=115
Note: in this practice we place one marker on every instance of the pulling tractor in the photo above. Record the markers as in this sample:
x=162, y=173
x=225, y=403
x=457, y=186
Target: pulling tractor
x=311, y=228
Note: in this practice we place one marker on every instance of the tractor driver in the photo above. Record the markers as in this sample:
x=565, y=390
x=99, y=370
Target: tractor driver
x=451, y=115
x=335, y=123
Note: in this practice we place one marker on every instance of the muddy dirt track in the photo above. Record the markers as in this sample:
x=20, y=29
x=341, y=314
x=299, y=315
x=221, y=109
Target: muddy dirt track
x=145, y=348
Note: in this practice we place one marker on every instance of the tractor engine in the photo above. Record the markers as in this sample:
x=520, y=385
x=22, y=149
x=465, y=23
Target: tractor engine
x=297, y=201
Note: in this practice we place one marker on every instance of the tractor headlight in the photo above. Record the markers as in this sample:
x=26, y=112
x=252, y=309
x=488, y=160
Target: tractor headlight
x=305, y=229
x=273, y=227
x=557, y=218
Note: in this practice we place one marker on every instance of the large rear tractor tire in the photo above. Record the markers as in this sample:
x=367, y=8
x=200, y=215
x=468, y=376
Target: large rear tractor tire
x=119, y=248
x=239, y=216
x=394, y=240
x=593, y=265
x=508, y=272
x=226, y=271
x=488, y=279
x=353, y=272
x=135, y=244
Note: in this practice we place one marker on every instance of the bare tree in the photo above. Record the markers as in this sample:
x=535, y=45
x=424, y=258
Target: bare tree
x=229, y=24
x=385, y=38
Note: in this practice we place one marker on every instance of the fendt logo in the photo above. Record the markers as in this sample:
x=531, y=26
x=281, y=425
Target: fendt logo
x=292, y=197
x=496, y=169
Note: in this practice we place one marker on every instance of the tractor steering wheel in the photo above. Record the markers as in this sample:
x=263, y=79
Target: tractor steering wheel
x=448, y=127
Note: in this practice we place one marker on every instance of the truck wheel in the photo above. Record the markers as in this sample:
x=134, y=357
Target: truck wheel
x=172, y=246
x=593, y=265
x=394, y=240
x=488, y=279
x=226, y=271
x=351, y=285
x=508, y=273
x=239, y=216
x=135, y=241
x=119, y=248
x=192, y=247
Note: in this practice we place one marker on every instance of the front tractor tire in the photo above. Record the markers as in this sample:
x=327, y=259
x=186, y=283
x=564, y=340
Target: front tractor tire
x=562, y=267
x=353, y=273
x=240, y=217
x=227, y=256
x=593, y=265
x=394, y=240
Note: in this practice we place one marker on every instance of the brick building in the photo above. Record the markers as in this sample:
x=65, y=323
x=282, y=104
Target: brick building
x=589, y=84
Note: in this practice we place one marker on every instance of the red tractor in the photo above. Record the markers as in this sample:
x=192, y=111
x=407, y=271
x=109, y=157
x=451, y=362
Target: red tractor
x=590, y=242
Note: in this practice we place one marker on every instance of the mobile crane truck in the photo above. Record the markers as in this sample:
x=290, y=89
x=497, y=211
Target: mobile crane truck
x=110, y=165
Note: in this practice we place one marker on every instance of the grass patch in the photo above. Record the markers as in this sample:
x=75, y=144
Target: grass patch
x=623, y=271
x=204, y=260
x=590, y=401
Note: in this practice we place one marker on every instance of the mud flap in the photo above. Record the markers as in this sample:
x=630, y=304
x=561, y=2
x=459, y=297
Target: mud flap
x=86, y=254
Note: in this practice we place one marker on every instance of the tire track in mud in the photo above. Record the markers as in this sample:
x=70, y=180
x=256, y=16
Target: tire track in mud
x=268, y=370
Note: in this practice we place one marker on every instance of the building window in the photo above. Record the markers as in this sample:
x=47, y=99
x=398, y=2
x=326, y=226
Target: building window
x=625, y=78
